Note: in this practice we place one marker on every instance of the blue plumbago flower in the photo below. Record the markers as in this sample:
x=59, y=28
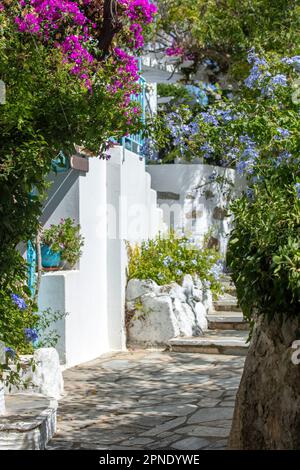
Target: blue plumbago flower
x=295, y=61
x=257, y=76
x=148, y=149
x=182, y=149
x=179, y=272
x=226, y=115
x=279, y=79
x=250, y=153
x=282, y=133
x=186, y=129
x=194, y=127
x=253, y=58
x=297, y=187
x=283, y=157
x=248, y=156
x=233, y=153
x=31, y=334
x=167, y=261
x=245, y=139
x=178, y=140
x=182, y=263
x=207, y=150
x=213, y=176
x=209, y=119
x=216, y=270
x=250, y=193
x=194, y=262
x=245, y=166
x=18, y=301
x=10, y=352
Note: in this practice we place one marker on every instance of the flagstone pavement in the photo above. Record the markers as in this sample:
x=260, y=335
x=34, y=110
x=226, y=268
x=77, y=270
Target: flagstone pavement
x=148, y=400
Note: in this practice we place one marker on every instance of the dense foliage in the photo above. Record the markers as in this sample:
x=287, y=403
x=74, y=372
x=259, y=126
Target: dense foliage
x=219, y=34
x=258, y=133
x=167, y=259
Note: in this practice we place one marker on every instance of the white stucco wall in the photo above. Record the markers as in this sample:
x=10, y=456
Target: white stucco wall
x=113, y=202
x=189, y=208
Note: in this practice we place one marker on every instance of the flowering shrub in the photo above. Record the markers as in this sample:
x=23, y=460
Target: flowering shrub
x=84, y=30
x=175, y=131
x=64, y=238
x=168, y=259
x=260, y=137
x=18, y=320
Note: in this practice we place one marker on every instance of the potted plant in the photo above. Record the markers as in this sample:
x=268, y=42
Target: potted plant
x=61, y=245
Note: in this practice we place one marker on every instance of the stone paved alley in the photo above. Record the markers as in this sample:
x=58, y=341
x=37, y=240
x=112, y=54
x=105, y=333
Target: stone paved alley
x=149, y=400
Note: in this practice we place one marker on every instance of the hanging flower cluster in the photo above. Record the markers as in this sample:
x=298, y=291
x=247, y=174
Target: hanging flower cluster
x=99, y=55
x=139, y=9
x=139, y=12
x=70, y=26
x=63, y=24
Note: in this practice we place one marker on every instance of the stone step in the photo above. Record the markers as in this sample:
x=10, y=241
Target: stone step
x=230, y=342
x=227, y=321
x=28, y=423
x=226, y=305
x=229, y=288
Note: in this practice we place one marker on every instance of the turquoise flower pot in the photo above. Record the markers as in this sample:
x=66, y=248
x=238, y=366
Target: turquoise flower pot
x=50, y=259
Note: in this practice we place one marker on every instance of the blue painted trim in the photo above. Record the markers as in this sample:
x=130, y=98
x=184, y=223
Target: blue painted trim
x=134, y=142
x=31, y=262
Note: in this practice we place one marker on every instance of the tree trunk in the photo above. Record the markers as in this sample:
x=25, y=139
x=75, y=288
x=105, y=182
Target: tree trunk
x=267, y=409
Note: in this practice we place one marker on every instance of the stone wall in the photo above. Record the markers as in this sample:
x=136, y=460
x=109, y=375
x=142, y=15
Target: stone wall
x=192, y=201
x=155, y=314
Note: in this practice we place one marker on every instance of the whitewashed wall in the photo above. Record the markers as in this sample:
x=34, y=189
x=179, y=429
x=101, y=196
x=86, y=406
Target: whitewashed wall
x=190, y=202
x=113, y=202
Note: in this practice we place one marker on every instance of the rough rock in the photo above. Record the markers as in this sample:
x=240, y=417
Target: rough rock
x=267, y=410
x=156, y=323
x=207, y=300
x=201, y=318
x=47, y=377
x=136, y=288
x=165, y=312
x=188, y=286
x=185, y=318
x=174, y=290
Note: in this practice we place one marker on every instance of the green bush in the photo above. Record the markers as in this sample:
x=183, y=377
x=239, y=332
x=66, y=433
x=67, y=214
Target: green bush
x=167, y=259
x=66, y=239
x=264, y=248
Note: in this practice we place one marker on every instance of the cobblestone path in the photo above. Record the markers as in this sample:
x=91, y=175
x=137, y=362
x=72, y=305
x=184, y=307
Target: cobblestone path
x=149, y=400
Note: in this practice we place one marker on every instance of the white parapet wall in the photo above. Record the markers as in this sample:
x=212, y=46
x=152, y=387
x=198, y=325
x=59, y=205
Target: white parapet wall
x=192, y=201
x=113, y=203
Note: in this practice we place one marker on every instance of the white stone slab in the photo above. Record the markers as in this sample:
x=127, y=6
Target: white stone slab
x=28, y=423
